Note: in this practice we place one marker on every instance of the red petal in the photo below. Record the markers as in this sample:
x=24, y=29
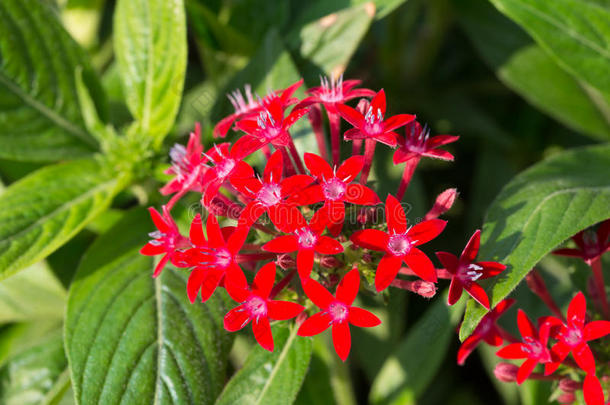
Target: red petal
x=159, y=221
x=282, y=244
x=328, y=246
x=351, y=115
x=526, y=370
x=492, y=338
x=402, y=155
x=235, y=284
x=526, y=327
x=387, y=138
x=294, y=116
x=449, y=261
x=283, y=310
x=237, y=239
x=378, y=103
x=334, y=211
x=596, y=329
x=440, y=140
x=262, y=333
x=395, y=216
x=426, y=231
x=294, y=184
x=160, y=266
x=386, y=271
x=250, y=214
x=592, y=390
x=354, y=133
x=196, y=232
x=349, y=169
x=584, y=358
x=348, y=287
x=236, y=319
x=342, y=339
x=467, y=347
x=373, y=239
x=443, y=203
x=421, y=265
x=194, y=283
x=318, y=167
x=491, y=269
x=361, y=195
x=455, y=291
x=152, y=250
x=274, y=168
x=284, y=216
x=315, y=324
x=439, y=154
x=577, y=310
x=215, y=238
x=362, y=318
x=246, y=145
x=317, y=294
x=512, y=351
x=502, y=307
x=305, y=262
x=264, y=280
x=221, y=129
x=472, y=248
x=397, y=121
x=310, y=195
x=478, y=293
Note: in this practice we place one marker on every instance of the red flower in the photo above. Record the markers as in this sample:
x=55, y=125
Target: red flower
x=332, y=92
x=270, y=193
x=223, y=164
x=307, y=240
x=574, y=334
x=334, y=188
x=593, y=391
x=166, y=240
x=372, y=125
x=250, y=106
x=466, y=272
x=417, y=142
x=270, y=127
x=533, y=348
x=591, y=245
x=214, y=258
x=257, y=307
x=399, y=244
x=337, y=312
x=486, y=330
x=187, y=166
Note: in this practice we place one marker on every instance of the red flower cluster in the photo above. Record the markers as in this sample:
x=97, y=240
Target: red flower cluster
x=299, y=206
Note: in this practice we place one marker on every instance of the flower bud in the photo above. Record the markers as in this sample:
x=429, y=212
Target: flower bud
x=443, y=203
x=569, y=385
x=285, y=261
x=506, y=372
x=330, y=262
x=566, y=398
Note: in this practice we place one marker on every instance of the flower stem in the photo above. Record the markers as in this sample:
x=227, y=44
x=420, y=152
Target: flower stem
x=407, y=175
x=507, y=336
x=596, y=266
x=282, y=283
x=289, y=169
x=356, y=147
x=369, y=152
x=315, y=119
x=334, y=121
x=296, y=157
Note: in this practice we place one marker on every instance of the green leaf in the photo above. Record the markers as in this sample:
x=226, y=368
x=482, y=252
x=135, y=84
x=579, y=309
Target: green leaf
x=39, y=112
x=33, y=294
x=406, y=374
x=15, y=338
x=539, y=209
x=138, y=340
x=150, y=46
x=42, y=211
x=271, y=378
x=529, y=71
x=37, y=376
x=575, y=33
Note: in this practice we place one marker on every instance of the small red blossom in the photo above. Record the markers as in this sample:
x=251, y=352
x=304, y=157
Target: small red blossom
x=417, y=143
x=466, y=272
x=214, y=259
x=257, y=307
x=487, y=330
x=250, y=106
x=533, y=348
x=332, y=92
x=591, y=244
x=399, y=245
x=335, y=188
x=574, y=334
x=337, y=311
x=269, y=194
x=307, y=239
x=373, y=125
x=166, y=240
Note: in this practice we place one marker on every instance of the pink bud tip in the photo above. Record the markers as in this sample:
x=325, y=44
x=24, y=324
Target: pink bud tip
x=285, y=262
x=443, y=203
x=506, y=372
x=568, y=385
x=566, y=398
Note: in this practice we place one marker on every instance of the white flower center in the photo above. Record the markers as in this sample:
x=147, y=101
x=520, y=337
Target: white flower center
x=269, y=195
x=399, y=245
x=333, y=189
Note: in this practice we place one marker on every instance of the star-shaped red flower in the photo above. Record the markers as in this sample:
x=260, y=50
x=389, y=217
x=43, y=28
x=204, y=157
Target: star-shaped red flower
x=487, y=330
x=399, y=244
x=332, y=92
x=373, y=125
x=533, y=348
x=417, y=143
x=166, y=240
x=214, y=259
x=335, y=189
x=466, y=272
x=256, y=307
x=337, y=311
x=306, y=240
x=269, y=194
x=573, y=336
x=591, y=245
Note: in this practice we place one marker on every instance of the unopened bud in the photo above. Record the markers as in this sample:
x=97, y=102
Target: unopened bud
x=363, y=105
x=569, y=385
x=424, y=288
x=367, y=258
x=330, y=262
x=566, y=398
x=331, y=281
x=443, y=203
x=506, y=372
x=285, y=261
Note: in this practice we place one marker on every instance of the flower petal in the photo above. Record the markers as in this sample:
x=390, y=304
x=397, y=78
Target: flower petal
x=294, y=184
x=584, y=358
x=351, y=115
x=152, y=250
x=373, y=239
x=342, y=339
x=512, y=351
x=264, y=280
x=596, y=329
x=386, y=271
x=395, y=215
x=526, y=370
x=362, y=318
x=455, y=291
x=490, y=269
x=235, y=283
x=425, y=231
x=478, y=293
x=237, y=239
x=328, y=246
x=467, y=347
x=215, y=238
x=360, y=195
x=502, y=307
x=236, y=319
x=592, y=390
x=308, y=196
x=472, y=248
x=274, y=168
x=317, y=294
x=318, y=167
x=284, y=216
x=397, y=121
x=526, y=327
x=315, y=324
x=421, y=265
x=194, y=283
x=282, y=244
x=449, y=261
x=577, y=310
x=159, y=221
x=283, y=310
x=160, y=265
x=305, y=259
x=262, y=333
x=348, y=287
x=353, y=133
x=378, y=102
x=440, y=140
x=349, y=169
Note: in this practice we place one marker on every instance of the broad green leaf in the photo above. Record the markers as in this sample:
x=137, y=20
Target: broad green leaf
x=407, y=373
x=539, y=209
x=37, y=376
x=529, y=71
x=150, y=46
x=575, y=33
x=39, y=114
x=271, y=378
x=138, y=340
x=33, y=294
x=15, y=338
x=42, y=211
